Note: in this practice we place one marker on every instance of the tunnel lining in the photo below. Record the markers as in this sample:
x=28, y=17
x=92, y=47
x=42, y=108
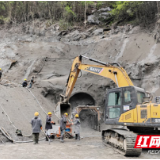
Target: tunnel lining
x=81, y=98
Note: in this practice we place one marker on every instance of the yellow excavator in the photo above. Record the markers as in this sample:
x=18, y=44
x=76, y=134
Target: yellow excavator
x=128, y=109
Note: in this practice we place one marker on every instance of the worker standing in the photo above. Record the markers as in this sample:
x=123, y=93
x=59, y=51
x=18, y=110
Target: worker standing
x=25, y=83
x=74, y=112
x=48, y=125
x=31, y=82
x=77, y=128
x=63, y=122
x=0, y=74
x=36, y=127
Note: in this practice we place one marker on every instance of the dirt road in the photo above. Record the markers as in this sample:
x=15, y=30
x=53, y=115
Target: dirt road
x=89, y=147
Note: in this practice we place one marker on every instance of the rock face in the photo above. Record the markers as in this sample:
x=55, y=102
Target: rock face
x=99, y=16
x=93, y=19
x=50, y=60
x=98, y=31
x=38, y=65
x=75, y=36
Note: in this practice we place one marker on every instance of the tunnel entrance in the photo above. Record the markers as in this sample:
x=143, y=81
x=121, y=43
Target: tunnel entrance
x=88, y=117
x=81, y=98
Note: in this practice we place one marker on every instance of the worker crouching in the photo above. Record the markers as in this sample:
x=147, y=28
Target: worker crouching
x=63, y=122
x=48, y=125
x=77, y=127
x=25, y=83
x=36, y=127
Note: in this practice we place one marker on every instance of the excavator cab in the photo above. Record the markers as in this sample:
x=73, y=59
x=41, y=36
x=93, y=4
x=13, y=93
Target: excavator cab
x=132, y=107
x=121, y=100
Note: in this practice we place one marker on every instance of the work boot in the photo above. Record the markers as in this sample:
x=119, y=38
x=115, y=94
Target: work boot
x=76, y=137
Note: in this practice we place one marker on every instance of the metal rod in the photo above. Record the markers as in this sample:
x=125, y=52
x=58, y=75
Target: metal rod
x=94, y=60
x=116, y=79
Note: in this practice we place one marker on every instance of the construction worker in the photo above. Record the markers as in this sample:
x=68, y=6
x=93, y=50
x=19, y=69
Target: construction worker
x=25, y=83
x=73, y=114
x=36, y=127
x=31, y=82
x=48, y=125
x=63, y=122
x=0, y=74
x=77, y=127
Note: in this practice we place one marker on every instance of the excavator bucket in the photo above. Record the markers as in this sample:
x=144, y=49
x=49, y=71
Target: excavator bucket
x=62, y=108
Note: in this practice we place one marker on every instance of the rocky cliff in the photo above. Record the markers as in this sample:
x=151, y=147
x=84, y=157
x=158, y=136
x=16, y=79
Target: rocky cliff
x=47, y=53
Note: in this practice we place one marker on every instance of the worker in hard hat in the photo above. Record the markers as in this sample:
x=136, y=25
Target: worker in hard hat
x=36, y=127
x=0, y=74
x=74, y=111
x=48, y=125
x=31, y=82
x=63, y=122
x=77, y=127
x=25, y=83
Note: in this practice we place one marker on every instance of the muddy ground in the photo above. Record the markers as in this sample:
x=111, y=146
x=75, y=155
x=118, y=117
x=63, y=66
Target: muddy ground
x=87, y=148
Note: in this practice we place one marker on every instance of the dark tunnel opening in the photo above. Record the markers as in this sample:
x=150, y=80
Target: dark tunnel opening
x=81, y=98
x=87, y=117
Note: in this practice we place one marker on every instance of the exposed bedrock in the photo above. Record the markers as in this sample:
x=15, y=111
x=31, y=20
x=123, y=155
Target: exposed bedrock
x=49, y=57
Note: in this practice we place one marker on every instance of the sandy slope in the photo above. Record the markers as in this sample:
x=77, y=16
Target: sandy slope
x=49, y=60
x=20, y=105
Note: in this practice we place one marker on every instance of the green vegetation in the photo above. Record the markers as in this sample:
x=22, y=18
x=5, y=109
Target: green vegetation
x=135, y=11
x=70, y=12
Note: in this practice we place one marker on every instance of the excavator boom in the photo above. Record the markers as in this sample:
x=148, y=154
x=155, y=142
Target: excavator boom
x=112, y=71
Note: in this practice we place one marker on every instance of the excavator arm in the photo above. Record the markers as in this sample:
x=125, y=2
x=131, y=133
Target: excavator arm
x=112, y=71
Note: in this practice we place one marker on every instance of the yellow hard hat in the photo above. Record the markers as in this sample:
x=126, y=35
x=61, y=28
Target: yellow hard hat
x=36, y=114
x=0, y=69
x=66, y=114
x=49, y=113
x=76, y=115
x=25, y=79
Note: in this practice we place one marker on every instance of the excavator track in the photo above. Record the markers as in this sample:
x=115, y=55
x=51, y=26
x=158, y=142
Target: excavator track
x=122, y=141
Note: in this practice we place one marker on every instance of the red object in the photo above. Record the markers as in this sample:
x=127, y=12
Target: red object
x=68, y=126
x=147, y=141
